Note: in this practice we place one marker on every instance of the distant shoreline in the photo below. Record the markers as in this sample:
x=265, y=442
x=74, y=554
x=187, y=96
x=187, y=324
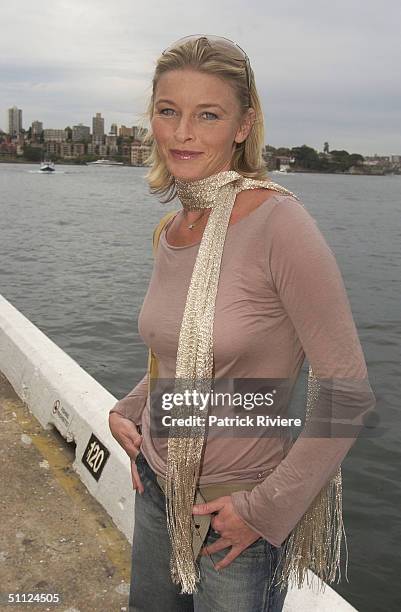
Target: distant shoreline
x=305, y=171
x=35, y=163
x=292, y=171
x=58, y=163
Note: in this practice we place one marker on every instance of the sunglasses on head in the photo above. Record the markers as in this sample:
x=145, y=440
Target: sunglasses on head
x=224, y=45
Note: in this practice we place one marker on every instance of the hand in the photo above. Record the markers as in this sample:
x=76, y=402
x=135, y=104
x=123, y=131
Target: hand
x=232, y=529
x=128, y=436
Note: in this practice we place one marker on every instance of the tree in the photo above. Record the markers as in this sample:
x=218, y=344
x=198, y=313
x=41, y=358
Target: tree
x=306, y=157
x=283, y=151
x=342, y=160
x=339, y=154
x=356, y=159
x=32, y=153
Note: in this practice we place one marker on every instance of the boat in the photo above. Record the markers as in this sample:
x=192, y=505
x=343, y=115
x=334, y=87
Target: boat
x=47, y=166
x=106, y=162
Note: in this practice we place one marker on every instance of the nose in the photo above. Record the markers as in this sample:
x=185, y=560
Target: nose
x=184, y=129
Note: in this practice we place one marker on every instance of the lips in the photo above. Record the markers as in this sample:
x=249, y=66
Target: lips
x=185, y=154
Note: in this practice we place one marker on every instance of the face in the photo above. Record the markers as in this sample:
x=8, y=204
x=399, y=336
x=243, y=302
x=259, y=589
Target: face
x=198, y=113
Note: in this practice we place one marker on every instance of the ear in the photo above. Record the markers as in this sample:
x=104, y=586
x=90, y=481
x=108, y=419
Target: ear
x=246, y=125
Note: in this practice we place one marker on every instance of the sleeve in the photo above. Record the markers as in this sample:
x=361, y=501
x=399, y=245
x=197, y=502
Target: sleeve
x=303, y=271
x=132, y=405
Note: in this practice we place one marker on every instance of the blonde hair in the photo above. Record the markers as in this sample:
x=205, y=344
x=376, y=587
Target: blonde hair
x=247, y=158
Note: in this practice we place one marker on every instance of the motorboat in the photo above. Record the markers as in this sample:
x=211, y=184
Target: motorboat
x=106, y=162
x=47, y=166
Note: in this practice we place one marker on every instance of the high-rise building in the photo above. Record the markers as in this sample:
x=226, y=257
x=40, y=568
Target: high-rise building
x=37, y=128
x=111, y=142
x=98, y=129
x=126, y=132
x=113, y=129
x=14, y=121
x=55, y=135
x=80, y=133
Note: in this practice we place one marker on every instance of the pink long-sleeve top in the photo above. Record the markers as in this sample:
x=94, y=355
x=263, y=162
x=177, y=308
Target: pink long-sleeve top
x=280, y=298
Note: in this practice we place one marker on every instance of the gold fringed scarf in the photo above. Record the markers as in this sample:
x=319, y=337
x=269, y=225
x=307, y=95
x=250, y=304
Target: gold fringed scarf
x=315, y=541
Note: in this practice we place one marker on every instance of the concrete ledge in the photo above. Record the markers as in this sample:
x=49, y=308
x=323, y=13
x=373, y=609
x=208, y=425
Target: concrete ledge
x=55, y=537
x=60, y=393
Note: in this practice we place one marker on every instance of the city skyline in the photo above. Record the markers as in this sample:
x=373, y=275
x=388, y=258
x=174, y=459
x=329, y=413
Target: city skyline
x=115, y=129
x=323, y=73
x=15, y=123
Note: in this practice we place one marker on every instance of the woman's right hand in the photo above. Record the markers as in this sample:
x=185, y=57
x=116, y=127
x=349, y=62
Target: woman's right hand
x=128, y=436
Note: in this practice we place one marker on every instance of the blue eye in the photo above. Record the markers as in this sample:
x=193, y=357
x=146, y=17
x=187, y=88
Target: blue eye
x=163, y=111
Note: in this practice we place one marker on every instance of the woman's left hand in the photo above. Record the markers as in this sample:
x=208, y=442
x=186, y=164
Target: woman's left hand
x=231, y=528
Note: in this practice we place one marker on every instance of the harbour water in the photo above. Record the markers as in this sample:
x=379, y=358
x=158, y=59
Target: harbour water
x=76, y=258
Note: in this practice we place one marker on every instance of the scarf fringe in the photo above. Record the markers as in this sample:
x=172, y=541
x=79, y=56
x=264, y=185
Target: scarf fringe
x=180, y=494
x=315, y=543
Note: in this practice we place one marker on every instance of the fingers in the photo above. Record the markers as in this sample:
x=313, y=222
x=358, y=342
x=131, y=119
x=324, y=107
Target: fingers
x=131, y=446
x=220, y=544
x=129, y=432
x=126, y=434
x=213, y=506
x=128, y=437
x=136, y=481
x=229, y=558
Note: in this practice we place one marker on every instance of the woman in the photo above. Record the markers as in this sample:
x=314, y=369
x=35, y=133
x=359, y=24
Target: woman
x=243, y=287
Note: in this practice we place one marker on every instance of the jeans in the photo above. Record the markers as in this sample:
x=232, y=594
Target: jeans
x=242, y=586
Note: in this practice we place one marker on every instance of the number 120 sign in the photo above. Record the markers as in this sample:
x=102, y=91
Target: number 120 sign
x=95, y=456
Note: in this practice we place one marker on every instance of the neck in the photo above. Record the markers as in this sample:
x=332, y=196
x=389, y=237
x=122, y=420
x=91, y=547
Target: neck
x=202, y=193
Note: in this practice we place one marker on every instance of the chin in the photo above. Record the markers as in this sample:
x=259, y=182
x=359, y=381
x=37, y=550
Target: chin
x=187, y=173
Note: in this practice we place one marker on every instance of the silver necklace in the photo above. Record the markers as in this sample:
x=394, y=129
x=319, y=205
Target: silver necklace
x=192, y=225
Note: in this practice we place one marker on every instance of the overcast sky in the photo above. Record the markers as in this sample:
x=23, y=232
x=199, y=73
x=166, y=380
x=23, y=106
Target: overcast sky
x=325, y=70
